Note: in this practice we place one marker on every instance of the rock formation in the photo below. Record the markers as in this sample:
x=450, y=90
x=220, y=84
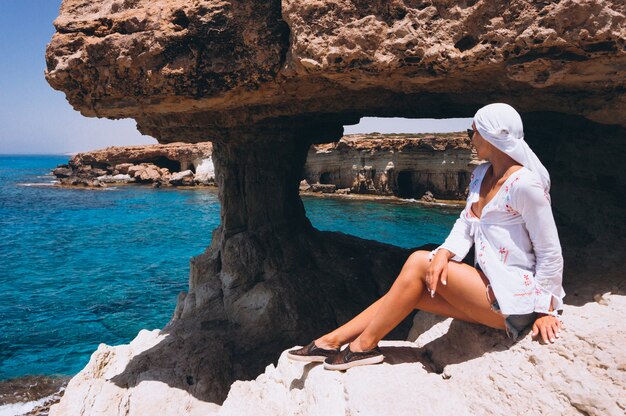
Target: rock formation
x=160, y=164
x=431, y=373
x=263, y=80
x=404, y=165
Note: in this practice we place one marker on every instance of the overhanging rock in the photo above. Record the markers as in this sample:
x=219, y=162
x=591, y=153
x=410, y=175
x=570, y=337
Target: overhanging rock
x=265, y=79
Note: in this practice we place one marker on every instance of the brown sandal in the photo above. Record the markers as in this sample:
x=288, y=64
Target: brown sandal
x=348, y=358
x=311, y=353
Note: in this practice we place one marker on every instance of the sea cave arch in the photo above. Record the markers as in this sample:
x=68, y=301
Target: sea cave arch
x=405, y=184
x=263, y=83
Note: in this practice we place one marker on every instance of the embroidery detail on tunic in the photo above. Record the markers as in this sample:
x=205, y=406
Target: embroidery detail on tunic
x=527, y=281
x=524, y=293
x=510, y=210
x=503, y=254
x=481, y=252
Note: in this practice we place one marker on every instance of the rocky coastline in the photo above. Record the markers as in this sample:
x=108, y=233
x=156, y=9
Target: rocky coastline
x=173, y=164
x=430, y=372
x=426, y=167
x=265, y=80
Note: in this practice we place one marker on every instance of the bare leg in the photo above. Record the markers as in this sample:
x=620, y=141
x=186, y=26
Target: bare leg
x=350, y=330
x=462, y=298
x=411, y=272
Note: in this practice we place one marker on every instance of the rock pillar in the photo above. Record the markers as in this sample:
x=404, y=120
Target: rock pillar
x=270, y=280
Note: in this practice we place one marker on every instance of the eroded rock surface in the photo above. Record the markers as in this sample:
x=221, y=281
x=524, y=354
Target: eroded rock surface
x=179, y=68
x=404, y=165
x=459, y=368
x=451, y=368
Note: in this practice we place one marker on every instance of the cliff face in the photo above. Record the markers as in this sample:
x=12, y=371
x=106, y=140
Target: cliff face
x=263, y=80
x=402, y=165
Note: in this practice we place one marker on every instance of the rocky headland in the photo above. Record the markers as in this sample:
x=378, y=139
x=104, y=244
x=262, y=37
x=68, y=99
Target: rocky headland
x=172, y=164
x=426, y=166
x=262, y=81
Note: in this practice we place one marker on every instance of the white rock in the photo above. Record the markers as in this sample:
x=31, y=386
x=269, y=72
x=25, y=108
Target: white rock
x=185, y=177
x=451, y=368
x=205, y=171
x=115, y=178
x=93, y=393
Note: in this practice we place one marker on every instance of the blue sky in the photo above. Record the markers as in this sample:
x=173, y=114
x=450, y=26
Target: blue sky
x=35, y=119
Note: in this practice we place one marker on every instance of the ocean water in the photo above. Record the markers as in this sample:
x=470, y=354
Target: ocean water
x=79, y=267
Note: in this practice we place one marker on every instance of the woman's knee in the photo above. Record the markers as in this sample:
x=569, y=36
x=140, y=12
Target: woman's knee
x=414, y=268
x=419, y=260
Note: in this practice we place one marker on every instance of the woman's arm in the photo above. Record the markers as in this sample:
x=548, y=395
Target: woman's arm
x=459, y=241
x=455, y=247
x=530, y=200
x=548, y=326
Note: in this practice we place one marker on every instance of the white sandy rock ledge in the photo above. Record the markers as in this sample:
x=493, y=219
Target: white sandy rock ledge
x=452, y=368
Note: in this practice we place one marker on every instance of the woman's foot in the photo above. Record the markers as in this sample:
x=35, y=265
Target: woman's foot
x=348, y=358
x=312, y=353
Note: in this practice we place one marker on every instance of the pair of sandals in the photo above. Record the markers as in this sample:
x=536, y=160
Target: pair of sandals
x=336, y=359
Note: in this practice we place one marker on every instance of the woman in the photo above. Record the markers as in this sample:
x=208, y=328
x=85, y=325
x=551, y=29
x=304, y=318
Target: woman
x=516, y=281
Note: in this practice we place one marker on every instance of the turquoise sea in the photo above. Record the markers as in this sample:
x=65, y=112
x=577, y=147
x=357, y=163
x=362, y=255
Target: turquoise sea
x=79, y=267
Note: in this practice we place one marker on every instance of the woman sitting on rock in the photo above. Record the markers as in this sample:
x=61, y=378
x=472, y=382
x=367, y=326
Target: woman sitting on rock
x=516, y=281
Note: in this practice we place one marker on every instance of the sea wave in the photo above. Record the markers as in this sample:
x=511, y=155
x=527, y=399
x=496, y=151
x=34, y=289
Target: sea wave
x=43, y=405
x=23, y=395
x=31, y=394
x=51, y=183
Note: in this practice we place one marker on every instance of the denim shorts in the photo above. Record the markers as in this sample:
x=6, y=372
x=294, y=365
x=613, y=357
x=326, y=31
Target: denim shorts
x=513, y=324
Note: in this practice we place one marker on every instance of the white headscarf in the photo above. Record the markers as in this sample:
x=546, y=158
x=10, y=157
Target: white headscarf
x=501, y=126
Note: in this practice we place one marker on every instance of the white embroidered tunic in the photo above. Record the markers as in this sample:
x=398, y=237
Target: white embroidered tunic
x=517, y=245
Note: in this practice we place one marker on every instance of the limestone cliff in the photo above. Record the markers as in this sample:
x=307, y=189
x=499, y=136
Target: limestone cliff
x=179, y=67
x=404, y=165
x=263, y=80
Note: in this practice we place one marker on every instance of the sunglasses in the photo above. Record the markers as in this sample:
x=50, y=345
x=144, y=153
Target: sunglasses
x=470, y=133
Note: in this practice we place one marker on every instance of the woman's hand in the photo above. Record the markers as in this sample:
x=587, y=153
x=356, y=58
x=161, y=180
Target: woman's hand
x=437, y=270
x=548, y=326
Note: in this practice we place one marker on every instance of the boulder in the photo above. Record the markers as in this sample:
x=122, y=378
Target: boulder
x=205, y=171
x=62, y=171
x=150, y=174
x=323, y=188
x=184, y=178
x=123, y=167
x=304, y=185
x=135, y=170
x=427, y=197
x=120, y=178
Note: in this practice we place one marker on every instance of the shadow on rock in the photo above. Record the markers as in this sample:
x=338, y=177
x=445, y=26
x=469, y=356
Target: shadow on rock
x=462, y=342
